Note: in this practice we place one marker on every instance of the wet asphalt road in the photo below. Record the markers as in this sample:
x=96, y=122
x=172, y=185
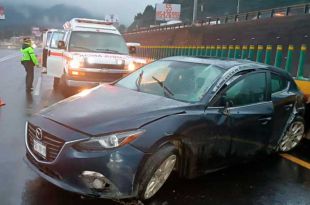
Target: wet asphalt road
x=271, y=180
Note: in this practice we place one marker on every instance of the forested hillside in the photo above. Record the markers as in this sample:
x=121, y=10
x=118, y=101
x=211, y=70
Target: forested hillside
x=209, y=8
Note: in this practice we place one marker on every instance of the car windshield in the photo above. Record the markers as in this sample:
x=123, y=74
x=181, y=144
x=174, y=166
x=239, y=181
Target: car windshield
x=183, y=81
x=97, y=42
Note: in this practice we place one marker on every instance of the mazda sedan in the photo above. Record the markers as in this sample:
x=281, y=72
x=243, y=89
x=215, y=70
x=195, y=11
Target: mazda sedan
x=188, y=115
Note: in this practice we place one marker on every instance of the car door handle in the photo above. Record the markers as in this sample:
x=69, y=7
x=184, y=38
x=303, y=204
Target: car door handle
x=288, y=107
x=265, y=120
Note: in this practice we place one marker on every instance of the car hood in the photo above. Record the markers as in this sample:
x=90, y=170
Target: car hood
x=108, y=108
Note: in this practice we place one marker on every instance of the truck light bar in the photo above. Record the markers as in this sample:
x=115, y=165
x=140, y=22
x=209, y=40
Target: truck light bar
x=76, y=21
x=94, y=22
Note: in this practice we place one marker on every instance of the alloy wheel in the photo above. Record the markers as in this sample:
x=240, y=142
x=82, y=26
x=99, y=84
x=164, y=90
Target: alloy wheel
x=292, y=137
x=160, y=176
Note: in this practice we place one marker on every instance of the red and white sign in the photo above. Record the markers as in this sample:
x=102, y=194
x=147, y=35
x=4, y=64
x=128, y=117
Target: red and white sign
x=2, y=14
x=168, y=12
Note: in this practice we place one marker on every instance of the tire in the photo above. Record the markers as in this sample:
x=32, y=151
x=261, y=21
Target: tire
x=292, y=136
x=63, y=83
x=56, y=83
x=167, y=155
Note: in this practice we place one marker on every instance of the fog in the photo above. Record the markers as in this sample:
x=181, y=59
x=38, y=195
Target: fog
x=124, y=9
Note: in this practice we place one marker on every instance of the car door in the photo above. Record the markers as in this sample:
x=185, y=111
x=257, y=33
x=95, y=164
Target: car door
x=246, y=114
x=55, y=55
x=283, y=103
x=46, y=40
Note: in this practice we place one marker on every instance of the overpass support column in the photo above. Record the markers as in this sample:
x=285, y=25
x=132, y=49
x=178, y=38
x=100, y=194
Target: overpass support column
x=252, y=53
x=244, y=52
x=224, y=51
x=208, y=51
x=289, y=58
x=203, y=50
x=279, y=54
x=259, y=56
x=231, y=51
x=237, y=51
x=218, y=51
x=300, y=73
x=213, y=51
x=268, y=54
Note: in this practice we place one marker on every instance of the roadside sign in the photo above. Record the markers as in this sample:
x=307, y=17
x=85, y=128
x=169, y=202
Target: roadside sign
x=168, y=12
x=36, y=32
x=2, y=14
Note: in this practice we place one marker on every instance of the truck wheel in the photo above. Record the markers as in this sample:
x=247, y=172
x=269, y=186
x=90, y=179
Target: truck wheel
x=156, y=171
x=293, y=135
x=63, y=84
x=56, y=83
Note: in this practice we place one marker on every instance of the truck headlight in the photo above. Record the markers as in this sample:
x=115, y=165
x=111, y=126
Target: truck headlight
x=75, y=63
x=109, y=141
x=131, y=66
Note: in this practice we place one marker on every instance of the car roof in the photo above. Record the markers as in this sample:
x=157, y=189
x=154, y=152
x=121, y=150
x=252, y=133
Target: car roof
x=224, y=63
x=227, y=63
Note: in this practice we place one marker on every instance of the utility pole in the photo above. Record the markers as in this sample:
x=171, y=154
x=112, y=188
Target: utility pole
x=238, y=7
x=195, y=11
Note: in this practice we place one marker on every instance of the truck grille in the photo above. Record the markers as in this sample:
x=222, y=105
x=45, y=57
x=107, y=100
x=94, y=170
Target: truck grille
x=52, y=143
x=104, y=66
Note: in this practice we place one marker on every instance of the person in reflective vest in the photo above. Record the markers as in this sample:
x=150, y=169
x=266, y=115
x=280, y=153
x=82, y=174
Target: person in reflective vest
x=29, y=60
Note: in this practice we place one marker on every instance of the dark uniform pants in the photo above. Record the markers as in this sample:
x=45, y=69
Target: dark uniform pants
x=29, y=68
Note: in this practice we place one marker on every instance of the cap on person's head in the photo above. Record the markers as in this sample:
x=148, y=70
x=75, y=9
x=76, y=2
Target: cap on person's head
x=27, y=40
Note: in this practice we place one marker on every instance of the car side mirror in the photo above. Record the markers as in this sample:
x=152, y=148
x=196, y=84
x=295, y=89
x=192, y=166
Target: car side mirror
x=132, y=50
x=61, y=45
x=132, y=47
x=226, y=103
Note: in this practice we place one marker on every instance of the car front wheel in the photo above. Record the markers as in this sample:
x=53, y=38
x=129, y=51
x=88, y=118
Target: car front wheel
x=156, y=171
x=293, y=135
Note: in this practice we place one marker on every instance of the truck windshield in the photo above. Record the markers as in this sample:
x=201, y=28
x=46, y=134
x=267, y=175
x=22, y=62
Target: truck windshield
x=97, y=42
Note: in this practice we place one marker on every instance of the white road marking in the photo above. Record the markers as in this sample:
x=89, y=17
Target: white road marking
x=8, y=57
x=38, y=86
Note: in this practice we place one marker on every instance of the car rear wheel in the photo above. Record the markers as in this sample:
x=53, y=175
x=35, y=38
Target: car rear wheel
x=56, y=83
x=293, y=135
x=156, y=171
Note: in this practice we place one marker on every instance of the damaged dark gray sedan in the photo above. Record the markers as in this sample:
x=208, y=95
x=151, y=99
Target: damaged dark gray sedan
x=188, y=115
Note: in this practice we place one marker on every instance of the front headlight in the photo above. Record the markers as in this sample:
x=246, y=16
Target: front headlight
x=131, y=66
x=75, y=64
x=109, y=141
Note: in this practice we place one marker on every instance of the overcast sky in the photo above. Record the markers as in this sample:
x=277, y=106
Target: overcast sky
x=124, y=9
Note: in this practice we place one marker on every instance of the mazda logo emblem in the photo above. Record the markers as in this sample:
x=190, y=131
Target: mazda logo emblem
x=39, y=135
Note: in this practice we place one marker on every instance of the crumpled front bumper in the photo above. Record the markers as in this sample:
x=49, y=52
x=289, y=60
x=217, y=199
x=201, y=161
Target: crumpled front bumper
x=118, y=166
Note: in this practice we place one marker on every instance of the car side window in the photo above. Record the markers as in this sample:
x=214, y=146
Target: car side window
x=278, y=83
x=249, y=90
x=57, y=36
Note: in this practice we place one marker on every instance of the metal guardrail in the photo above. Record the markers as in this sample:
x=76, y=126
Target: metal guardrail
x=300, y=9
x=259, y=53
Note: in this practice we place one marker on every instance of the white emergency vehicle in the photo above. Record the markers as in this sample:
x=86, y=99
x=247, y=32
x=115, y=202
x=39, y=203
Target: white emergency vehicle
x=87, y=52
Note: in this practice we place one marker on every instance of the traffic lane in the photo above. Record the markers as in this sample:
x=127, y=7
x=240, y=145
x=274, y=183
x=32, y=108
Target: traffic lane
x=270, y=180
x=7, y=52
x=303, y=151
x=14, y=173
